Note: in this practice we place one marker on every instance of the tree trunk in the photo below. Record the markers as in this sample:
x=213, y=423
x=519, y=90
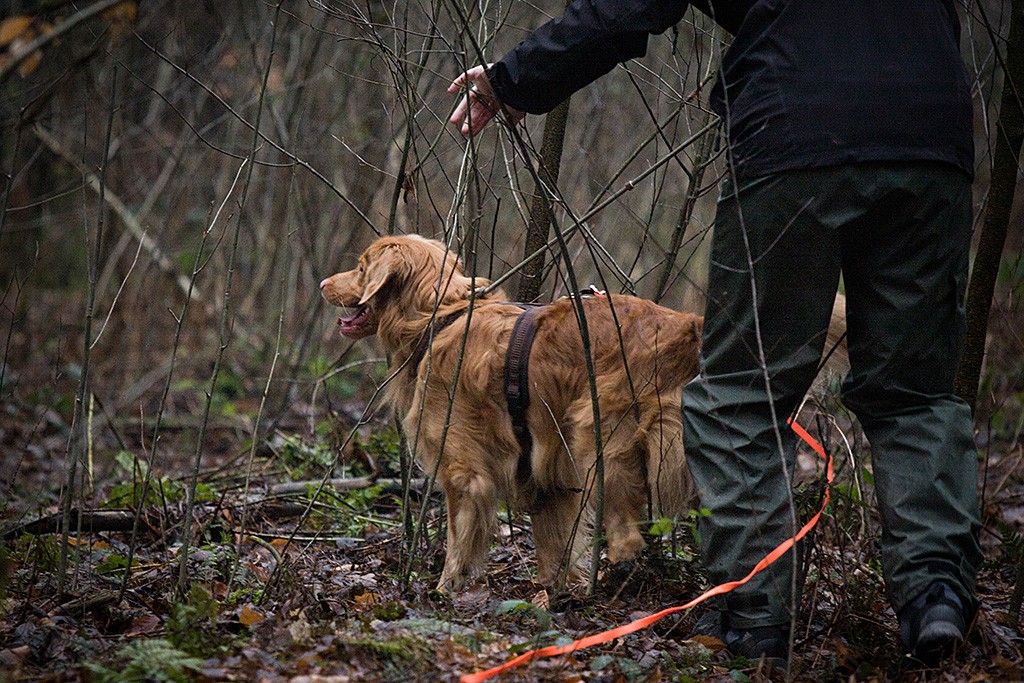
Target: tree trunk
x=540, y=210
x=1009, y=136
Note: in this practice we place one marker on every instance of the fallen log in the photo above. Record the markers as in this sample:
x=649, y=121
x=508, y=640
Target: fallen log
x=100, y=521
x=388, y=485
x=90, y=521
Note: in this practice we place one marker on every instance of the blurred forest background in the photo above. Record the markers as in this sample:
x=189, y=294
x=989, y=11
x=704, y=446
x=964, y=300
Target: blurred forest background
x=175, y=180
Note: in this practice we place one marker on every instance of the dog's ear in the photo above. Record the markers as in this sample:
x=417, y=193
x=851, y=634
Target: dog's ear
x=381, y=266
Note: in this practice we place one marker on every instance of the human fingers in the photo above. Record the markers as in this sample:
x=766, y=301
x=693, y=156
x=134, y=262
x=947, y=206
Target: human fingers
x=460, y=111
x=457, y=84
x=480, y=114
x=474, y=111
x=477, y=76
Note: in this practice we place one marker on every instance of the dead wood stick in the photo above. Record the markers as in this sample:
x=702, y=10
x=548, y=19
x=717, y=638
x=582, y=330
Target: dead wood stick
x=89, y=520
x=100, y=521
x=342, y=485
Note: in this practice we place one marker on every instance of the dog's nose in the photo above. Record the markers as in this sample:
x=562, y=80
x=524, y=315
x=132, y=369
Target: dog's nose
x=323, y=283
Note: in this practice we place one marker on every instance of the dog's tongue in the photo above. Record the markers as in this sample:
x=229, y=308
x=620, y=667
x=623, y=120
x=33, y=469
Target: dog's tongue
x=348, y=323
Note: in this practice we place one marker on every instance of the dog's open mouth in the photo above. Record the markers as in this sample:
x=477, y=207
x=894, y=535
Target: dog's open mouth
x=358, y=324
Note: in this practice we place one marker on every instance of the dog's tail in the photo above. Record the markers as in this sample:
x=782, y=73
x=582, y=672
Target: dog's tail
x=660, y=434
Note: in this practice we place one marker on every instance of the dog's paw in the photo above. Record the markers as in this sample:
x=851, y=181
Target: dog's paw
x=456, y=582
x=448, y=585
x=625, y=547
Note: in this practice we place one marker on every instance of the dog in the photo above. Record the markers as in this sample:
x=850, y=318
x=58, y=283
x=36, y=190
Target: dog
x=447, y=387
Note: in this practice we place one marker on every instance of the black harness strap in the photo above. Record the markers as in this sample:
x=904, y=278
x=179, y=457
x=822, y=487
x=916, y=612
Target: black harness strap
x=517, y=385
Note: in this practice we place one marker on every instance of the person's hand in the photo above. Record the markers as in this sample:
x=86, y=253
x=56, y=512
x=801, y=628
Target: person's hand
x=479, y=105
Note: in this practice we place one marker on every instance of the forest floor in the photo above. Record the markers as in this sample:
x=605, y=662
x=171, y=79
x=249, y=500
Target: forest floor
x=282, y=587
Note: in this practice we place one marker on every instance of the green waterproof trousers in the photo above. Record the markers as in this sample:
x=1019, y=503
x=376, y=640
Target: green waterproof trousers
x=899, y=234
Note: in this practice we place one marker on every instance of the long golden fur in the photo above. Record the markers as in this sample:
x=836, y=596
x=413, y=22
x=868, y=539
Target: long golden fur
x=642, y=354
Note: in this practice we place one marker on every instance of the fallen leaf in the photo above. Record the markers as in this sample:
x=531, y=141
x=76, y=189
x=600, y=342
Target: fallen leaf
x=300, y=630
x=14, y=656
x=710, y=642
x=250, y=616
x=259, y=572
x=149, y=623
x=366, y=599
x=12, y=28
x=30, y=63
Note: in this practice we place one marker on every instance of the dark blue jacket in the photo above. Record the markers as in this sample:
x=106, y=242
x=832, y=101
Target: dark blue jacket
x=805, y=83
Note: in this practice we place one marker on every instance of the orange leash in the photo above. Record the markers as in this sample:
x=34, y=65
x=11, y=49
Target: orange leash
x=644, y=622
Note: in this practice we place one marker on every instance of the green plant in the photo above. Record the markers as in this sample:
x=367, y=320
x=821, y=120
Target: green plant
x=547, y=635
x=689, y=664
x=630, y=669
x=384, y=446
x=348, y=511
x=344, y=384
x=132, y=492
x=42, y=552
x=1007, y=420
x=396, y=650
x=149, y=660
x=303, y=460
x=6, y=566
x=692, y=523
x=389, y=611
x=113, y=563
x=230, y=387
x=522, y=606
x=192, y=625
x=216, y=562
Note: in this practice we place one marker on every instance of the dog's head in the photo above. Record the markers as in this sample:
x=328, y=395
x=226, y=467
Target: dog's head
x=399, y=279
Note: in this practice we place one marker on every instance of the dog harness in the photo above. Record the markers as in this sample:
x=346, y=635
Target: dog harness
x=517, y=384
x=517, y=367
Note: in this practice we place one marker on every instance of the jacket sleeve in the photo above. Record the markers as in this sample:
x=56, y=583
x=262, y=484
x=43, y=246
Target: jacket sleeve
x=575, y=49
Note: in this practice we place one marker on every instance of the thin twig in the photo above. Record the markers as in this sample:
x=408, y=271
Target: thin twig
x=75, y=445
x=225, y=316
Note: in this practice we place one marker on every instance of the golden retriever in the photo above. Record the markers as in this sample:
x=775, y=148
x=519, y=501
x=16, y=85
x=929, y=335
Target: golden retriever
x=642, y=354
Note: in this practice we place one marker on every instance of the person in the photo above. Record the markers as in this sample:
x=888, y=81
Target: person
x=848, y=126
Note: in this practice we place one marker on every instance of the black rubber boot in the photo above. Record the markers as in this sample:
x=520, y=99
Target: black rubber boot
x=933, y=624
x=772, y=642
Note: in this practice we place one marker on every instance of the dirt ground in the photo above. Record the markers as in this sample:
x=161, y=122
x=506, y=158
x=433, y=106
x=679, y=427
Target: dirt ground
x=280, y=587
x=283, y=583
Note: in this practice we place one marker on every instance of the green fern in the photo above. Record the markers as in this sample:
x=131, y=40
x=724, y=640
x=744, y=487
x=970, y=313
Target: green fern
x=1012, y=542
x=149, y=660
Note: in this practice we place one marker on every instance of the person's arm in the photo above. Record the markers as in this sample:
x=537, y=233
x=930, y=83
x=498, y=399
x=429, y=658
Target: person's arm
x=577, y=48
x=561, y=57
